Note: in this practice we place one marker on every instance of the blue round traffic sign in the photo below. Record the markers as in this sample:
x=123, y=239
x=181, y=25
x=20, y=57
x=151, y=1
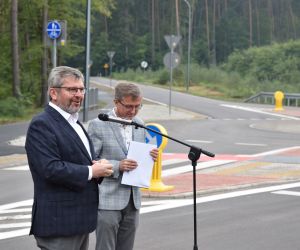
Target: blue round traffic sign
x=155, y=138
x=54, y=29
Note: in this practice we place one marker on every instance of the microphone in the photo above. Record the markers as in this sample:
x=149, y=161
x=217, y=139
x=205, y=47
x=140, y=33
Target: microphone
x=106, y=117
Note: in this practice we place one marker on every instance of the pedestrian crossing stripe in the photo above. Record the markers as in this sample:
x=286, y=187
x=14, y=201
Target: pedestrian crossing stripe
x=286, y=192
x=167, y=172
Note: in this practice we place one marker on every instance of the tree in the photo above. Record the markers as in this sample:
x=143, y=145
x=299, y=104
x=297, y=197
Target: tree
x=15, y=49
x=44, y=72
x=153, y=31
x=207, y=30
x=250, y=23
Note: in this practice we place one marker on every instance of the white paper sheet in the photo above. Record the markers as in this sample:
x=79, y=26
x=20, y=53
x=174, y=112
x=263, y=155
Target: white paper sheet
x=141, y=176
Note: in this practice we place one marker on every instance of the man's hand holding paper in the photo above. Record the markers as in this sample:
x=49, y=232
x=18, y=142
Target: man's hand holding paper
x=128, y=165
x=143, y=155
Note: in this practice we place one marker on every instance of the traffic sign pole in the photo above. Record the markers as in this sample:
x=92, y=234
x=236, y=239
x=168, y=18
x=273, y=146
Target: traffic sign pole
x=54, y=50
x=171, y=60
x=110, y=55
x=54, y=32
x=171, y=78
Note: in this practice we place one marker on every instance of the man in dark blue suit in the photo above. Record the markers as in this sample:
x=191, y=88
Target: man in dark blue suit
x=62, y=162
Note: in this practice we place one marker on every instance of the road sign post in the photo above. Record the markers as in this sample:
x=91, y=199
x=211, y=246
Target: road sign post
x=110, y=54
x=189, y=45
x=54, y=32
x=171, y=60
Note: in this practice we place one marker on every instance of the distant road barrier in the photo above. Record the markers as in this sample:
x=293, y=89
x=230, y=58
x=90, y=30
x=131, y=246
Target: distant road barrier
x=290, y=99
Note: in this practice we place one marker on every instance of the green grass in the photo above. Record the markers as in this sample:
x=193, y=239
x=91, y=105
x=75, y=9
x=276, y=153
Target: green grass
x=29, y=113
x=212, y=83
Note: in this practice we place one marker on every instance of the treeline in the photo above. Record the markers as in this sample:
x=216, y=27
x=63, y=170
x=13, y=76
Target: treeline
x=277, y=62
x=221, y=31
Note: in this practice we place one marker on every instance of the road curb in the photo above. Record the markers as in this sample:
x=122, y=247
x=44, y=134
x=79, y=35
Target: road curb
x=13, y=160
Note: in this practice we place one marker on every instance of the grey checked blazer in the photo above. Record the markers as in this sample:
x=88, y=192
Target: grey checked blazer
x=109, y=144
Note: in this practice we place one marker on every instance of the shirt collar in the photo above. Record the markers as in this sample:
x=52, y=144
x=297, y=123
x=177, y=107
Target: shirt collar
x=69, y=117
x=114, y=112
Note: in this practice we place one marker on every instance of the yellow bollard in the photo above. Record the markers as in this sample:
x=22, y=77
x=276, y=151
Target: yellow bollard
x=278, y=96
x=156, y=184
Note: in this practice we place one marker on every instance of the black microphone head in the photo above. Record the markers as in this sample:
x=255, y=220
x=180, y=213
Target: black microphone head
x=103, y=117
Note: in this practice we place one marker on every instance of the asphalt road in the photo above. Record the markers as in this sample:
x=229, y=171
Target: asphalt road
x=230, y=128
x=254, y=220
x=251, y=222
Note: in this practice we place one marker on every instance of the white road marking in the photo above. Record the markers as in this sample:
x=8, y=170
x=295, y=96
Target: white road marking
x=189, y=168
x=15, y=233
x=165, y=204
x=21, y=210
x=20, y=141
x=286, y=192
x=16, y=204
x=168, y=204
x=181, y=169
x=199, y=141
x=174, y=161
x=250, y=144
x=15, y=217
x=15, y=225
x=18, y=168
x=259, y=111
x=272, y=152
x=13, y=208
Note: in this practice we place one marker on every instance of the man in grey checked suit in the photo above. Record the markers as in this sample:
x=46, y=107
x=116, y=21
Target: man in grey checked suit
x=118, y=213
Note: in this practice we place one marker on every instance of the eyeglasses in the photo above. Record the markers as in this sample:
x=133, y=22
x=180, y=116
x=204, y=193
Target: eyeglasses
x=137, y=107
x=73, y=91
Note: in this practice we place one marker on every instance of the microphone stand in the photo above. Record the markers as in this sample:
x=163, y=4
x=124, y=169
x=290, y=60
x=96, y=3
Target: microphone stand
x=193, y=155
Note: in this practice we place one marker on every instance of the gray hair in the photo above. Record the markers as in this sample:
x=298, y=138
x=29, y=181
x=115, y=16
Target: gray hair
x=124, y=89
x=58, y=74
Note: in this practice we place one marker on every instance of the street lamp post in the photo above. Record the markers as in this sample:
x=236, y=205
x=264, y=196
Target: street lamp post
x=87, y=61
x=189, y=45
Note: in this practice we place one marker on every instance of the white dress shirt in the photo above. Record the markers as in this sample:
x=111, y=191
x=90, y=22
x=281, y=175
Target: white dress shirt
x=72, y=120
x=126, y=131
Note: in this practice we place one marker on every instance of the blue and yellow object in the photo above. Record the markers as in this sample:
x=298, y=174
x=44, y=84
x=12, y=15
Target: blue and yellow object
x=156, y=184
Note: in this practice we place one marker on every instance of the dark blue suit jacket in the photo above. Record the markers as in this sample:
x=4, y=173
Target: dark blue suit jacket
x=65, y=202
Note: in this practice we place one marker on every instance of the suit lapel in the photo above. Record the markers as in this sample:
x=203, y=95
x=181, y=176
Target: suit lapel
x=137, y=134
x=117, y=133
x=70, y=131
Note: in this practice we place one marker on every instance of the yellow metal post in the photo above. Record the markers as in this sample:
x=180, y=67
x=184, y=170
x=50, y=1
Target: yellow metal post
x=278, y=96
x=156, y=184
